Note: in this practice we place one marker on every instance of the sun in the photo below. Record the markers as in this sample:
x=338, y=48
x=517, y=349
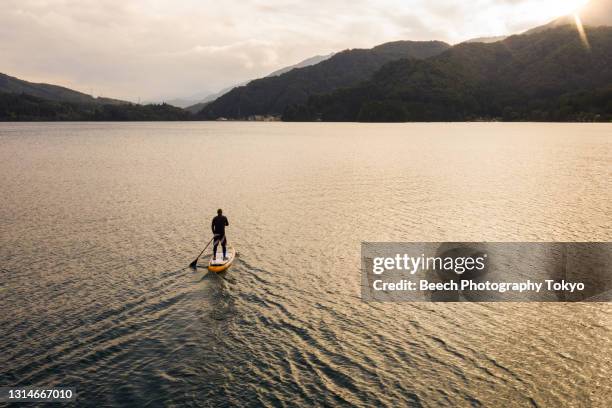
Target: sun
x=551, y=9
x=577, y=7
x=570, y=6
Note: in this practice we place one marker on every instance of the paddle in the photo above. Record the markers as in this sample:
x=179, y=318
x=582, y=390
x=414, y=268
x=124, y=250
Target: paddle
x=195, y=262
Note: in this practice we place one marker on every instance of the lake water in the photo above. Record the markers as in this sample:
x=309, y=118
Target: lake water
x=98, y=222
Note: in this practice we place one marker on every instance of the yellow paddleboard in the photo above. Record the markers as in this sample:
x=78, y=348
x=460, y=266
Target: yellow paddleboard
x=218, y=264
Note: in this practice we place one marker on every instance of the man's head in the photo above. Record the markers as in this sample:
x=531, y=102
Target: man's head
x=219, y=211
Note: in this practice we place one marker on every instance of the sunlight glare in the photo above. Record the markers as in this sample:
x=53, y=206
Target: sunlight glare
x=583, y=36
x=571, y=6
x=554, y=9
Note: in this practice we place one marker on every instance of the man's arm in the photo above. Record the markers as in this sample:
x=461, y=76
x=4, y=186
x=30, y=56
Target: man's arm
x=226, y=222
x=212, y=226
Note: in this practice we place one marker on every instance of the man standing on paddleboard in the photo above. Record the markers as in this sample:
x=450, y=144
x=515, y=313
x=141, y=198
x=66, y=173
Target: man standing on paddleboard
x=218, y=229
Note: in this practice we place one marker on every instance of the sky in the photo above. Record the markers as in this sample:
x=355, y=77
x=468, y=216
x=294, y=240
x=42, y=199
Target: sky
x=154, y=50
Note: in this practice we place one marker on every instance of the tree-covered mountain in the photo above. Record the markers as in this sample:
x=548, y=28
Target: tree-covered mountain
x=549, y=75
x=9, y=84
x=272, y=95
x=26, y=101
x=24, y=107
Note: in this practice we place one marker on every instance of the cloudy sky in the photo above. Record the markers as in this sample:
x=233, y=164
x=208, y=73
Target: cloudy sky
x=160, y=49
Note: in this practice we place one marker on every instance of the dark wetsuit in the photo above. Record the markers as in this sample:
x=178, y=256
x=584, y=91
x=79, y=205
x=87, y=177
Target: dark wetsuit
x=218, y=228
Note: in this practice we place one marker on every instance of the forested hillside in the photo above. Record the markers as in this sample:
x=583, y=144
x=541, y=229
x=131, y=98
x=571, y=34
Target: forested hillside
x=547, y=76
x=23, y=107
x=272, y=95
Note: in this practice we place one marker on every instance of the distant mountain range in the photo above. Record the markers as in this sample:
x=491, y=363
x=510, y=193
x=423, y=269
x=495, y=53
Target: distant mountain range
x=306, y=63
x=196, y=103
x=546, y=76
x=549, y=73
x=272, y=95
x=487, y=40
x=186, y=102
x=266, y=97
x=198, y=106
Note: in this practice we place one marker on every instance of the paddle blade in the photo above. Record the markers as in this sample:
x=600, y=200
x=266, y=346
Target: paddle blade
x=194, y=264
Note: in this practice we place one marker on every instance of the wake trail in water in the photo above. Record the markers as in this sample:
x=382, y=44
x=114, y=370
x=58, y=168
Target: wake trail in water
x=96, y=336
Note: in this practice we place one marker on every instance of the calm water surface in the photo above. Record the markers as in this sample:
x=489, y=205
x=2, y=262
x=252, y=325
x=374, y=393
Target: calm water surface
x=98, y=222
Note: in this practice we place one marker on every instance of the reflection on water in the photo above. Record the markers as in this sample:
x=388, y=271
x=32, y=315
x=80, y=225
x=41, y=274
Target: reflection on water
x=98, y=223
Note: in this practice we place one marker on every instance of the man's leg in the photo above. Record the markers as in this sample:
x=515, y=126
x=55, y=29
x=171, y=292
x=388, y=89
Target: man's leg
x=215, y=245
x=224, y=246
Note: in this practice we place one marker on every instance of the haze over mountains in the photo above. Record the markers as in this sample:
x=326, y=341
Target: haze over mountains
x=306, y=63
x=195, y=105
x=272, y=95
